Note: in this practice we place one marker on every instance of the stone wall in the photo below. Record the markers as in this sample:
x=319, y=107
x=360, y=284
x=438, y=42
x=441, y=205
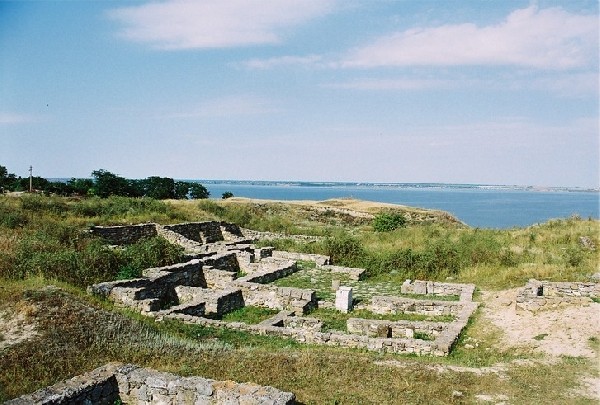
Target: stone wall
x=130, y=384
x=269, y=272
x=216, y=302
x=320, y=260
x=202, y=232
x=353, y=272
x=392, y=329
x=124, y=235
x=541, y=295
x=306, y=335
x=280, y=298
x=399, y=305
x=156, y=290
x=463, y=291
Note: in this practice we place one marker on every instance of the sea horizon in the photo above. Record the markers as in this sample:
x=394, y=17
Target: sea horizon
x=434, y=185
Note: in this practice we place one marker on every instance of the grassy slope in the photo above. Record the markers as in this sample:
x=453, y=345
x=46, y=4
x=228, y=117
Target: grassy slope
x=79, y=333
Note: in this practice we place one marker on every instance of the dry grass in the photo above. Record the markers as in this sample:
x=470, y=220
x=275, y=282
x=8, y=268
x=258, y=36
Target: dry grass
x=80, y=334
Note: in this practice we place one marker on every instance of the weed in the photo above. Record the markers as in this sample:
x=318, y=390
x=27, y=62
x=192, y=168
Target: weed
x=541, y=336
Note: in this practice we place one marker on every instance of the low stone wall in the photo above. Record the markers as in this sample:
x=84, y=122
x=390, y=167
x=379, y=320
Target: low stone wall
x=177, y=239
x=280, y=298
x=463, y=291
x=394, y=329
x=306, y=335
x=354, y=272
x=398, y=305
x=217, y=302
x=227, y=261
x=307, y=257
x=96, y=387
x=258, y=235
x=543, y=295
x=269, y=272
x=135, y=385
x=216, y=278
x=124, y=235
x=202, y=232
x=156, y=290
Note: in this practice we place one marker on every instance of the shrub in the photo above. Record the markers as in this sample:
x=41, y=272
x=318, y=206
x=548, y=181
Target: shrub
x=388, y=221
x=344, y=249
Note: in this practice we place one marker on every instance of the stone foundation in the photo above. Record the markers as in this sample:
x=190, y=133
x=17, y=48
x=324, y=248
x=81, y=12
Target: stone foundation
x=542, y=295
x=419, y=287
x=124, y=235
x=129, y=384
x=209, y=286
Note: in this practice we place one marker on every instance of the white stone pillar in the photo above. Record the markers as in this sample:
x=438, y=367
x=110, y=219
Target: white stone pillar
x=343, y=299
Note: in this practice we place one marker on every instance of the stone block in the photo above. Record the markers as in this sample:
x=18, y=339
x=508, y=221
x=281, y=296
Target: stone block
x=343, y=299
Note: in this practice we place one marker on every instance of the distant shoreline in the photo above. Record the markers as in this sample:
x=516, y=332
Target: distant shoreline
x=450, y=186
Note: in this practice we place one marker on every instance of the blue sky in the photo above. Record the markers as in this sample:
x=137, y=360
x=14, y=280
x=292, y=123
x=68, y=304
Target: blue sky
x=492, y=92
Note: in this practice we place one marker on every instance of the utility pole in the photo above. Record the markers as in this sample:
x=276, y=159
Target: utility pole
x=31, y=179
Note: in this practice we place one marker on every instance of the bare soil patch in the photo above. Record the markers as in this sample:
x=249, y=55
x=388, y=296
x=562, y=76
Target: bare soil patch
x=16, y=326
x=565, y=331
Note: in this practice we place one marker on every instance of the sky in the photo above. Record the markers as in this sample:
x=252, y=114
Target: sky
x=485, y=92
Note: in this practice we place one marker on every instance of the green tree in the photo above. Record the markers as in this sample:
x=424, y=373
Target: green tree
x=182, y=188
x=107, y=184
x=198, y=191
x=81, y=186
x=7, y=180
x=226, y=195
x=160, y=188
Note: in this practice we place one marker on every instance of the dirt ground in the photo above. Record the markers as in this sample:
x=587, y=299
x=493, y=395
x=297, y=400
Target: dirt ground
x=567, y=331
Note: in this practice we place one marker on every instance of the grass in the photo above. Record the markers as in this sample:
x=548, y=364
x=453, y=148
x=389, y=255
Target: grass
x=250, y=315
x=44, y=240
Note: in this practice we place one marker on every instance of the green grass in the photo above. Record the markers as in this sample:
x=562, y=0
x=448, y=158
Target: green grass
x=249, y=314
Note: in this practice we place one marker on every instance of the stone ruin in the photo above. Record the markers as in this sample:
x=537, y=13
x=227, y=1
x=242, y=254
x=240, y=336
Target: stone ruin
x=545, y=295
x=225, y=272
x=125, y=383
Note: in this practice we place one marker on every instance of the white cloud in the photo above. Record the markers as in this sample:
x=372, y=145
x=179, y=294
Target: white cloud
x=549, y=38
x=392, y=84
x=186, y=24
x=14, y=118
x=229, y=106
x=282, y=61
x=563, y=84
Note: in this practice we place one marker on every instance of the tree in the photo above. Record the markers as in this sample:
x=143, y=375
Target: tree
x=81, y=186
x=107, y=184
x=182, y=188
x=198, y=191
x=226, y=195
x=160, y=188
x=7, y=180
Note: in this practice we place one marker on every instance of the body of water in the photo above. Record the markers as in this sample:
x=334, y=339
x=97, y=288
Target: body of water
x=475, y=205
